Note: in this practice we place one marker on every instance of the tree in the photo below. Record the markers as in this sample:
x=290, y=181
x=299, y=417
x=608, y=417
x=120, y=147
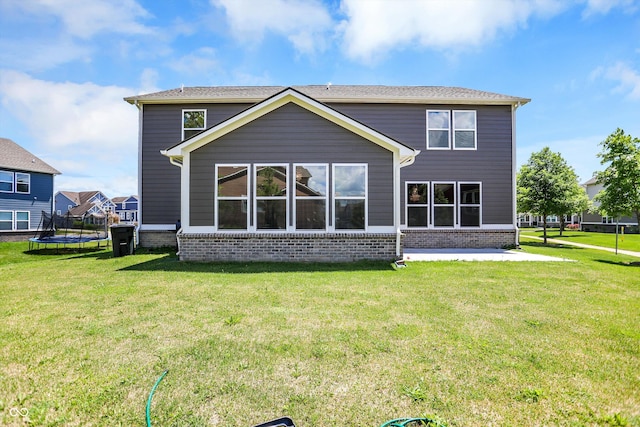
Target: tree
x=546, y=185
x=621, y=178
x=575, y=200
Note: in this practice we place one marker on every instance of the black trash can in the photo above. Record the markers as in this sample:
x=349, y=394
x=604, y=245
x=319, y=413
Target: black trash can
x=122, y=239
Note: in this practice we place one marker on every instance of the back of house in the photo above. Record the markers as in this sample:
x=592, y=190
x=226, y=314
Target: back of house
x=325, y=173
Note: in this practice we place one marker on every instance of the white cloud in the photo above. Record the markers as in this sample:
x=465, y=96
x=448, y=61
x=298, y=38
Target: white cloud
x=303, y=22
x=602, y=7
x=201, y=63
x=628, y=79
x=374, y=27
x=84, y=19
x=86, y=131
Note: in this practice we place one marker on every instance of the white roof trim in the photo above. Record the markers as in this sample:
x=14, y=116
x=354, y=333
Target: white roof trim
x=290, y=95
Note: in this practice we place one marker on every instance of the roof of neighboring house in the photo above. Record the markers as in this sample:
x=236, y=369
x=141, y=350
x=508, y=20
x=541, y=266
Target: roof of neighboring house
x=331, y=93
x=81, y=200
x=593, y=180
x=15, y=157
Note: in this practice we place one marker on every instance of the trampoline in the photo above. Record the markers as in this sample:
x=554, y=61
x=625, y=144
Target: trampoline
x=78, y=230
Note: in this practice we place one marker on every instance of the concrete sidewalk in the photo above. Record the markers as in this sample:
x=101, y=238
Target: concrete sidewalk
x=474, y=255
x=583, y=245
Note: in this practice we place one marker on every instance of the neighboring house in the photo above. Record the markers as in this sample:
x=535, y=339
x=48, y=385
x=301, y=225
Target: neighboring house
x=87, y=204
x=26, y=190
x=593, y=221
x=126, y=208
x=325, y=173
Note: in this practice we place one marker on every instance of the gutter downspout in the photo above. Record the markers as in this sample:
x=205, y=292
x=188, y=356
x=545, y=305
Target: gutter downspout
x=514, y=107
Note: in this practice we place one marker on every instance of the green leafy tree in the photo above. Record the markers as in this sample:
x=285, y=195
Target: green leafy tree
x=621, y=178
x=575, y=199
x=544, y=184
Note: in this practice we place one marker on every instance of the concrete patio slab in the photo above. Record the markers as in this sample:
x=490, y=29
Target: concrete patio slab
x=474, y=255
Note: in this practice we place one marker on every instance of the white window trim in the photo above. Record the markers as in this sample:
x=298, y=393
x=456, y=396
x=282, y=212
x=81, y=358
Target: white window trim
x=15, y=221
x=255, y=198
x=453, y=205
x=461, y=205
x=454, y=129
x=448, y=129
x=296, y=197
x=245, y=198
x=188, y=110
x=11, y=221
x=334, y=198
x=13, y=181
x=407, y=205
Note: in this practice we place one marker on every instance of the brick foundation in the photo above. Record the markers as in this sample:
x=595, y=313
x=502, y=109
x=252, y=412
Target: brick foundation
x=156, y=239
x=469, y=239
x=315, y=247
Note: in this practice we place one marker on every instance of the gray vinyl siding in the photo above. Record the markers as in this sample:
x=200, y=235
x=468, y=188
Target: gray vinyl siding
x=290, y=135
x=490, y=164
x=160, y=181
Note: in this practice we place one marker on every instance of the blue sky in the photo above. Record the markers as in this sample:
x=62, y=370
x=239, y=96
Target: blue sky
x=65, y=65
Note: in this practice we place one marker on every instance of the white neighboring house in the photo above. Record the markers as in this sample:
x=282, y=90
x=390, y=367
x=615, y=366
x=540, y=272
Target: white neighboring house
x=83, y=204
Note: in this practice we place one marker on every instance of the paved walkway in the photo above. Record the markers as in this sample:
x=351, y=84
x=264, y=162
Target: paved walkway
x=582, y=245
x=474, y=255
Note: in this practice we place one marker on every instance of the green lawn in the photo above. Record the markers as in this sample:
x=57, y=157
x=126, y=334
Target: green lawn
x=630, y=242
x=84, y=337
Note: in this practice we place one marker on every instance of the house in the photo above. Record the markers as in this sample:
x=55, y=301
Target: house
x=126, y=208
x=85, y=204
x=26, y=190
x=325, y=173
x=593, y=221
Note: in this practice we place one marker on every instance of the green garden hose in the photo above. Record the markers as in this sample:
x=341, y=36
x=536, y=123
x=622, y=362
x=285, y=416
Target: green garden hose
x=153, y=390
x=406, y=422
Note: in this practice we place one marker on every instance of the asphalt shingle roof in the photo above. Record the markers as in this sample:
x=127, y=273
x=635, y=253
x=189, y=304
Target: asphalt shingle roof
x=13, y=156
x=331, y=93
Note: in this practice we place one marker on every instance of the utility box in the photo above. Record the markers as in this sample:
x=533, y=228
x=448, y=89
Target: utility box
x=122, y=240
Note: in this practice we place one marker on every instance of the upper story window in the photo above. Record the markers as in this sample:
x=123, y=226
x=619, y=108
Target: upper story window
x=193, y=121
x=23, y=182
x=464, y=130
x=441, y=122
x=6, y=182
x=438, y=129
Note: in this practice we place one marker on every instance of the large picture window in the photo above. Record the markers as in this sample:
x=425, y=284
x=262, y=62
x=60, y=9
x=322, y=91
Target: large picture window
x=438, y=129
x=271, y=197
x=417, y=197
x=193, y=121
x=232, y=196
x=470, y=203
x=311, y=196
x=6, y=182
x=464, y=130
x=350, y=196
x=444, y=202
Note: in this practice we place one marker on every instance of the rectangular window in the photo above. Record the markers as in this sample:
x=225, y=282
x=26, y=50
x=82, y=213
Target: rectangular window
x=271, y=197
x=469, y=204
x=6, y=220
x=193, y=122
x=417, y=202
x=350, y=196
x=438, y=130
x=444, y=203
x=311, y=196
x=231, y=197
x=23, y=182
x=6, y=182
x=22, y=220
x=464, y=130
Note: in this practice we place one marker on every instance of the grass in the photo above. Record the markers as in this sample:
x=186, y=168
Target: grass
x=630, y=242
x=84, y=336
